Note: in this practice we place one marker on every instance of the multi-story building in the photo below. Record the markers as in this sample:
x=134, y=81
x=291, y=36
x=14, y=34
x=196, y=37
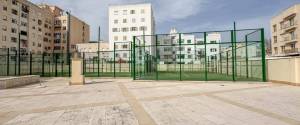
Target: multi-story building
x=32, y=27
x=192, y=49
x=126, y=21
x=91, y=49
x=285, y=29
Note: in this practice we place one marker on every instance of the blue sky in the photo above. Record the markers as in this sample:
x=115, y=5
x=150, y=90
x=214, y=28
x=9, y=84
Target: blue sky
x=185, y=15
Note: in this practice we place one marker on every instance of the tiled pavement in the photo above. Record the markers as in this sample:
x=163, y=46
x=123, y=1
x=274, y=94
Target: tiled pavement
x=127, y=102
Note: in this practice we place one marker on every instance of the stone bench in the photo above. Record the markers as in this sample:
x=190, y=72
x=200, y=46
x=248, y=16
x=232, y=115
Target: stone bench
x=11, y=82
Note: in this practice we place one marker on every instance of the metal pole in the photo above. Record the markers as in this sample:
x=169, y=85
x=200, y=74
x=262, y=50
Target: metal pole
x=233, y=62
x=205, y=54
x=7, y=68
x=84, y=65
x=43, y=64
x=62, y=63
x=227, y=62
x=19, y=55
x=30, y=63
x=247, y=68
x=68, y=42
x=263, y=55
x=157, y=55
x=114, y=60
x=56, y=64
x=235, y=58
x=180, y=72
x=16, y=57
x=99, y=39
x=134, y=76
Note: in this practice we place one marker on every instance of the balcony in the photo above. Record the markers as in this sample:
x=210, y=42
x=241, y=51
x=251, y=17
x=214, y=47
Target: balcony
x=293, y=51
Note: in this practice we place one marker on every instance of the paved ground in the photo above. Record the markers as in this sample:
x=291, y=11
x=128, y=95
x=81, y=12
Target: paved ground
x=124, y=102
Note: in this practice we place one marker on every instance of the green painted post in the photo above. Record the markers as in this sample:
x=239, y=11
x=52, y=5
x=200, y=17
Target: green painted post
x=56, y=64
x=16, y=62
x=156, y=58
x=84, y=65
x=180, y=66
x=114, y=60
x=98, y=63
x=43, y=64
x=62, y=64
x=69, y=62
x=247, y=68
x=205, y=56
x=7, y=62
x=227, y=63
x=263, y=55
x=235, y=58
x=232, y=52
x=221, y=63
x=30, y=63
x=134, y=58
x=93, y=60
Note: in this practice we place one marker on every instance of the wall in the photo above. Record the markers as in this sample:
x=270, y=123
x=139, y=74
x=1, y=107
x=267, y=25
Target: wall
x=284, y=70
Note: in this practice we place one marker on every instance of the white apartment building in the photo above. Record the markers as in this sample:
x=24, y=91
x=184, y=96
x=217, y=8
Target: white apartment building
x=192, y=49
x=126, y=21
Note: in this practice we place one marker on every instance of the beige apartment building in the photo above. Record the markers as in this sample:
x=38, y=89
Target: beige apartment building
x=285, y=29
x=39, y=28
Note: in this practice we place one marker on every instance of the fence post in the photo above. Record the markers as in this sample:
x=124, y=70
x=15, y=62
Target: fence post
x=7, y=61
x=227, y=62
x=30, y=63
x=221, y=64
x=157, y=56
x=98, y=64
x=43, y=64
x=233, y=56
x=56, y=64
x=133, y=66
x=247, y=69
x=263, y=55
x=62, y=64
x=114, y=60
x=69, y=62
x=180, y=57
x=205, y=59
x=16, y=55
x=83, y=57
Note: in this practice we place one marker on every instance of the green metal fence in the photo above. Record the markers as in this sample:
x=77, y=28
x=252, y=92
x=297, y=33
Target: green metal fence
x=233, y=55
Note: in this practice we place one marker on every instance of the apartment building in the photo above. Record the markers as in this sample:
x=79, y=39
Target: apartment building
x=189, y=52
x=285, y=29
x=34, y=26
x=91, y=49
x=126, y=21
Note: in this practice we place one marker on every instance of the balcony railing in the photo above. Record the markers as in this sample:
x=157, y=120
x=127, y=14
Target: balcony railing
x=292, y=51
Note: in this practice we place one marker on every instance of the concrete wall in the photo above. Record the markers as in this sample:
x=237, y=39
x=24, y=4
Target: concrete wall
x=284, y=70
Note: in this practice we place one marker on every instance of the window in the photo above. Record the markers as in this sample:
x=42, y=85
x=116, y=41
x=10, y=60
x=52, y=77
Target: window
x=189, y=56
x=143, y=28
x=142, y=19
x=116, y=12
x=142, y=11
x=133, y=28
x=281, y=25
x=124, y=46
x=124, y=12
x=275, y=39
x=124, y=20
x=133, y=20
x=189, y=49
x=213, y=50
x=14, y=2
x=13, y=30
x=4, y=8
x=124, y=29
x=274, y=28
x=293, y=46
x=115, y=30
x=189, y=41
x=124, y=38
x=292, y=22
x=115, y=38
x=3, y=38
x=13, y=11
x=24, y=24
x=115, y=21
x=213, y=41
x=124, y=55
x=5, y=18
x=4, y=28
x=293, y=36
x=282, y=48
x=132, y=11
x=24, y=15
x=13, y=39
x=14, y=21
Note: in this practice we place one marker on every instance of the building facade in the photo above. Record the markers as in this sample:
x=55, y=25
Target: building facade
x=33, y=28
x=90, y=49
x=126, y=21
x=285, y=29
x=192, y=49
